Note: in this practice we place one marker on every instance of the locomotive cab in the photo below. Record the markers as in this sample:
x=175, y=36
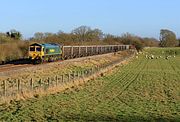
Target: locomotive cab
x=36, y=52
x=46, y=52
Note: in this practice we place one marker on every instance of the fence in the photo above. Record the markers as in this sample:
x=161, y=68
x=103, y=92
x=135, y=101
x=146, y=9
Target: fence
x=12, y=87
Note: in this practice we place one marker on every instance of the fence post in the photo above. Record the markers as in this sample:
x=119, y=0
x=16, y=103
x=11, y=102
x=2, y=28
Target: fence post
x=92, y=71
x=56, y=80
x=69, y=75
x=98, y=68
x=73, y=76
x=48, y=81
x=84, y=73
x=5, y=87
x=78, y=74
x=88, y=72
x=40, y=82
x=18, y=85
x=63, y=78
x=79, y=51
x=31, y=84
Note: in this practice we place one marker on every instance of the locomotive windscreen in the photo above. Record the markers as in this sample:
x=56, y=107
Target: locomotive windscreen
x=32, y=48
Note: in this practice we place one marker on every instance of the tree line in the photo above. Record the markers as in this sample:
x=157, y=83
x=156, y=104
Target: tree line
x=85, y=35
x=13, y=45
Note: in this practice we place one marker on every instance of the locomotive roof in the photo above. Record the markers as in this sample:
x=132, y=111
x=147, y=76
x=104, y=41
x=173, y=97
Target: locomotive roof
x=45, y=44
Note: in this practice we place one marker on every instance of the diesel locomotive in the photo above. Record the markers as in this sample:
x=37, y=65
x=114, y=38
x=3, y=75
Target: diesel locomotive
x=48, y=52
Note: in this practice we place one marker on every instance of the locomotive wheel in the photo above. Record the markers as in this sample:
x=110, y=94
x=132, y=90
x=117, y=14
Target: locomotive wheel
x=38, y=61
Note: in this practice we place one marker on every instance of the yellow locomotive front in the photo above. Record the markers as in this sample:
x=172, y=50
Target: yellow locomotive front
x=36, y=51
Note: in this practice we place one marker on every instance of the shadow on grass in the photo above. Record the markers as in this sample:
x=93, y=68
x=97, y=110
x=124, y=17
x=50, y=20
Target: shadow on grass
x=106, y=118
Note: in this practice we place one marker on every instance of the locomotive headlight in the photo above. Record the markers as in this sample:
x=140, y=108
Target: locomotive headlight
x=33, y=55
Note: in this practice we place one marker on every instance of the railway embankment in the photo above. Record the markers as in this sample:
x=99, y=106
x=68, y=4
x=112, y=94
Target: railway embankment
x=63, y=74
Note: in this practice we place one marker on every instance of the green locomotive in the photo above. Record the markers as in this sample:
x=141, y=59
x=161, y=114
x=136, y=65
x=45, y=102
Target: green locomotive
x=46, y=52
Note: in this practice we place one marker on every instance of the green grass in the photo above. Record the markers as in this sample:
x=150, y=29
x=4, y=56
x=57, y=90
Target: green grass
x=143, y=90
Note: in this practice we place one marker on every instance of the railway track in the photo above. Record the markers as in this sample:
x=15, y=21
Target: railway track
x=23, y=64
x=9, y=67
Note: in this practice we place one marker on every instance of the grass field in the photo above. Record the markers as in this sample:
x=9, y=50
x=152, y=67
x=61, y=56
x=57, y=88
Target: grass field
x=143, y=90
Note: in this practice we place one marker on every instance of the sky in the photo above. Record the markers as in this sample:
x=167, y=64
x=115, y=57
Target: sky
x=143, y=18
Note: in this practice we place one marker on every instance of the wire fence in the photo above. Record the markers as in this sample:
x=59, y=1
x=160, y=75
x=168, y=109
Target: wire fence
x=12, y=87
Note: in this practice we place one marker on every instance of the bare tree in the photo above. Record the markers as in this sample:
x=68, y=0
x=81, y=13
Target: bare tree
x=82, y=32
x=38, y=35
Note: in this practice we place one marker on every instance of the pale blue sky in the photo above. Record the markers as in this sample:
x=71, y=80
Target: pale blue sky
x=140, y=17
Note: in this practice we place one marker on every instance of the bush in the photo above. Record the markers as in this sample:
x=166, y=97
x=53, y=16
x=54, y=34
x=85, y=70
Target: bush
x=13, y=51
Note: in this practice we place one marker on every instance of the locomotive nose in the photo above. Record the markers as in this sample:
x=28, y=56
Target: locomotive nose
x=34, y=55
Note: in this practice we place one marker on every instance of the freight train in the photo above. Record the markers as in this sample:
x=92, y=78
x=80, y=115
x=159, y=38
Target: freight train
x=48, y=52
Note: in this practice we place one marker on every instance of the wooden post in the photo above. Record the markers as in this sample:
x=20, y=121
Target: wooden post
x=78, y=74
x=48, y=81
x=69, y=76
x=56, y=80
x=92, y=70
x=18, y=85
x=79, y=51
x=63, y=78
x=31, y=84
x=82, y=73
x=88, y=72
x=40, y=82
x=5, y=88
x=85, y=73
x=73, y=76
x=98, y=68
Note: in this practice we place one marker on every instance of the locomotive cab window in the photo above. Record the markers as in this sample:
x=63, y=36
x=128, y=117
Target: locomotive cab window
x=32, y=48
x=38, y=49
